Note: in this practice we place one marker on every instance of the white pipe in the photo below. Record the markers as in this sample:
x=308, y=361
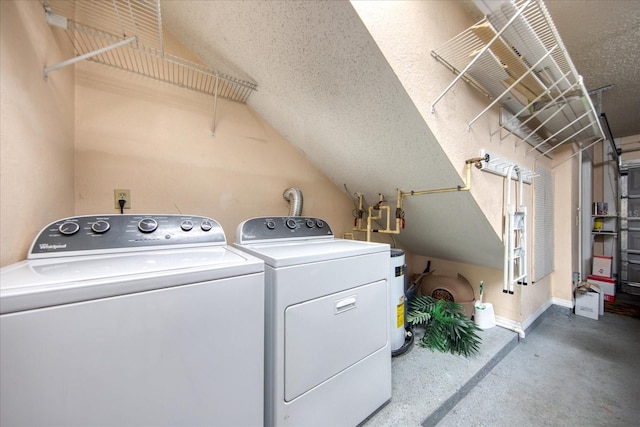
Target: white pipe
x=520, y=204
x=580, y=222
x=507, y=229
x=511, y=326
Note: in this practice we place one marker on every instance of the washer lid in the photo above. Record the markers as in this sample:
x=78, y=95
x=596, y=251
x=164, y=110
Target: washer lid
x=54, y=281
x=297, y=252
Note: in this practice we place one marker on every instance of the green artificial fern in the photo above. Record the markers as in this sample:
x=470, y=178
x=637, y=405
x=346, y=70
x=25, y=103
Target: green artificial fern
x=447, y=328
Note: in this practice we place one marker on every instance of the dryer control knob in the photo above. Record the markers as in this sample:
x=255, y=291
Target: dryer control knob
x=271, y=224
x=291, y=223
x=147, y=225
x=319, y=223
x=186, y=225
x=206, y=225
x=310, y=223
x=68, y=228
x=100, y=226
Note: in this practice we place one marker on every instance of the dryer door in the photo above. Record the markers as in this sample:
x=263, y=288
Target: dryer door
x=326, y=335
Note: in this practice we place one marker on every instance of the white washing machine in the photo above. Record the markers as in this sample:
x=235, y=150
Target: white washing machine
x=132, y=320
x=327, y=351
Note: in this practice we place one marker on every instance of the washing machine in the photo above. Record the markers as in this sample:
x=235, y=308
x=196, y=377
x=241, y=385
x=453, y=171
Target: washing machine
x=132, y=320
x=327, y=350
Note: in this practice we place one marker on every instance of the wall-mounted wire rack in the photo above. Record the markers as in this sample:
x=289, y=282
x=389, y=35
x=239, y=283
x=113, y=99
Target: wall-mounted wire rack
x=516, y=58
x=127, y=34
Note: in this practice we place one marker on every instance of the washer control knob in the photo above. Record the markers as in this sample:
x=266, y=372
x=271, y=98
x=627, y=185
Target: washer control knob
x=147, y=225
x=206, y=225
x=291, y=223
x=100, y=226
x=186, y=225
x=319, y=223
x=271, y=224
x=310, y=223
x=68, y=228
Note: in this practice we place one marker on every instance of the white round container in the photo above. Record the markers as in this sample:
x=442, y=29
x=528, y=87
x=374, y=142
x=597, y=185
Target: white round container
x=397, y=298
x=484, y=316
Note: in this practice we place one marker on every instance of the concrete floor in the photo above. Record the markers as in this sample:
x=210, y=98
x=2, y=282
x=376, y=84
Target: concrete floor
x=568, y=371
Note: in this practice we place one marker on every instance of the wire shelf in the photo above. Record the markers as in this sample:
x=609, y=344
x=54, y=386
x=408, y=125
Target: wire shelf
x=127, y=35
x=516, y=58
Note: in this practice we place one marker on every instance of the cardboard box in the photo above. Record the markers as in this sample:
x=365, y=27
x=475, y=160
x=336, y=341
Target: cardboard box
x=607, y=286
x=601, y=266
x=589, y=303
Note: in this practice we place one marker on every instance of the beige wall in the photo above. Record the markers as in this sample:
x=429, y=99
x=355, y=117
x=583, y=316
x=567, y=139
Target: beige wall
x=631, y=144
x=36, y=128
x=155, y=139
x=406, y=32
x=135, y=133
x=566, y=227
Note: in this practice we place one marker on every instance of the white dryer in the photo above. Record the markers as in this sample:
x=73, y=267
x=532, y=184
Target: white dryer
x=132, y=320
x=327, y=350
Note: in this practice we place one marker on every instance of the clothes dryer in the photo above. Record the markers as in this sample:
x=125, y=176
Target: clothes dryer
x=132, y=320
x=327, y=350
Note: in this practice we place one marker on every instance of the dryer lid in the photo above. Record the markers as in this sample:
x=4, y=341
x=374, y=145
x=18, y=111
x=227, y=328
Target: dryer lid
x=283, y=254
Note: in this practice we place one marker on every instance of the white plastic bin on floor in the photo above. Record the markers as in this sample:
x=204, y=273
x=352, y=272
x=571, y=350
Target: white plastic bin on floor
x=485, y=317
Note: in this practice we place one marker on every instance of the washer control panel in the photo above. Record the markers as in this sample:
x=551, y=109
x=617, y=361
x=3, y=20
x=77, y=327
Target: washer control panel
x=282, y=227
x=111, y=233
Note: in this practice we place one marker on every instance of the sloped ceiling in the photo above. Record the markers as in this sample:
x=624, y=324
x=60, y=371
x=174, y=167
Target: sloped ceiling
x=324, y=84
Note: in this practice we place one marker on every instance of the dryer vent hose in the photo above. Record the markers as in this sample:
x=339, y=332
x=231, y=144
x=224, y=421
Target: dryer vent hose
x=294, y=197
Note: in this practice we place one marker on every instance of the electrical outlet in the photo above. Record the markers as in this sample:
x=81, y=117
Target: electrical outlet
x=120, y=194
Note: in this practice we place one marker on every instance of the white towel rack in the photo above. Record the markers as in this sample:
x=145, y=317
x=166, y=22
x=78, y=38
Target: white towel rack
x=503, y=167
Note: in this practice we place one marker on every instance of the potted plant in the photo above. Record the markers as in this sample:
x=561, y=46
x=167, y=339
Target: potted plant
x=446, y=327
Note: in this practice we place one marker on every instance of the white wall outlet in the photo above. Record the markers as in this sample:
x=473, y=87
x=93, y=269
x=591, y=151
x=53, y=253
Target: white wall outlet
x=122, y=194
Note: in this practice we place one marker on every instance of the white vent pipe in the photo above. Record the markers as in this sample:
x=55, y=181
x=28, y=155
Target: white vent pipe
x=294, y=197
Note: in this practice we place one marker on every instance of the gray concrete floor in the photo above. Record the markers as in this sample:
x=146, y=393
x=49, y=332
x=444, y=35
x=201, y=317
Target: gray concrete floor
x=568, y=371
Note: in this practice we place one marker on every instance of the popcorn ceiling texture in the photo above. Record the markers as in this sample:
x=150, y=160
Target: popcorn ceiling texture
x=325, y=85
x=602, y=40
x=328, y=87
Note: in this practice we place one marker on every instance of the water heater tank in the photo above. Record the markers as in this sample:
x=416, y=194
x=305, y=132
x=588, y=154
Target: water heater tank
x=397, y=299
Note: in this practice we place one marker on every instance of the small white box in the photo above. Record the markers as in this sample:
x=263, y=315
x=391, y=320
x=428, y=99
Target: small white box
x=601, y=266
x=589, y=304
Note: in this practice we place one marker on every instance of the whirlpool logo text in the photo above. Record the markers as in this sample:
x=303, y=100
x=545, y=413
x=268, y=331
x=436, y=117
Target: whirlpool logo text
x=50, y=247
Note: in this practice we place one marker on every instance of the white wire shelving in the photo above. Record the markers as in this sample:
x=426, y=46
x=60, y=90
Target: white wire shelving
x=516, y=58
x=128, y=35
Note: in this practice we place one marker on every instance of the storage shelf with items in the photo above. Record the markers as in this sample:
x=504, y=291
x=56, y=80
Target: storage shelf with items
x=604, y=233
x=605, y=225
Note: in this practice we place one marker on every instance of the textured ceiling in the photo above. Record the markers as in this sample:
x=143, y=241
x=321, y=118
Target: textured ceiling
x=602, y=38
x=325, y=85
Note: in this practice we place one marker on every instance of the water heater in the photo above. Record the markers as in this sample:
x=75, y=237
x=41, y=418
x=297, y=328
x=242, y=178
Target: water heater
x=397, y=299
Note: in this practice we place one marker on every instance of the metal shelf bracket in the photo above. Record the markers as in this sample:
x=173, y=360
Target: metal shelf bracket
x=87, y=55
